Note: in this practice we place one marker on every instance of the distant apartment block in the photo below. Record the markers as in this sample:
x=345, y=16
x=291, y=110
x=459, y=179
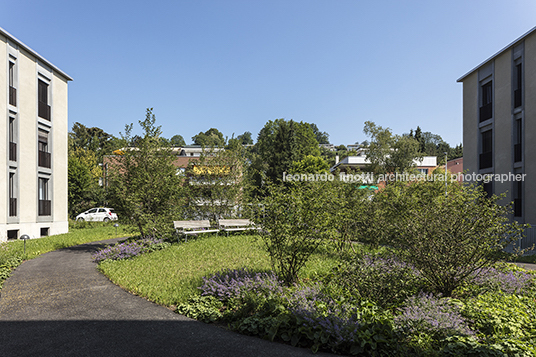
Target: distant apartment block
x=499, y=123
x=360, y=162
x=33, y=143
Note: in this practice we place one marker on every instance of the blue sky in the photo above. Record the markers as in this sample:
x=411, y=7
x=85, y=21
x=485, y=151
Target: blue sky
x=235, y=64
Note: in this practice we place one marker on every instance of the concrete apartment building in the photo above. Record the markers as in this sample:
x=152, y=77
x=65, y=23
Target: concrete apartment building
x=499, y=123
x=33, y=143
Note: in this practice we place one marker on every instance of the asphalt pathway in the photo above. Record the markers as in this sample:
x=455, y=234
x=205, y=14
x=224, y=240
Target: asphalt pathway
x=59, y=305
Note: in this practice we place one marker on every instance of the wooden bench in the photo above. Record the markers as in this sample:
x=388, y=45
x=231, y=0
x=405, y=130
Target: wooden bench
x=193, y=227
x=234, y=225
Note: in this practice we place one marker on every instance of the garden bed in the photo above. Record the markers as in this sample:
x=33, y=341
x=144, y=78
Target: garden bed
x=369, y=305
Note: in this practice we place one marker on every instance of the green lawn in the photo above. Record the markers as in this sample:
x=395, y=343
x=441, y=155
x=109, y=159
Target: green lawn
x=171, y=275
x=91, y=233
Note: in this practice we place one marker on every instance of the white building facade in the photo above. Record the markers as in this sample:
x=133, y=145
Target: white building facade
x=33, y=143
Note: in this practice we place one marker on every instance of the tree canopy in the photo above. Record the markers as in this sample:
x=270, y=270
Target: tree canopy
x=390, y=153
x=177, y=141
x=144, y=183
x=280, y=143
x=210, y=138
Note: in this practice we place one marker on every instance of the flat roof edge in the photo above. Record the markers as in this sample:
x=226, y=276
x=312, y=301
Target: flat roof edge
x=511, y=44
x=27, y=48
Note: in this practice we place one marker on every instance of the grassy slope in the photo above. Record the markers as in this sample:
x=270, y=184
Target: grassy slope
x=170, y=276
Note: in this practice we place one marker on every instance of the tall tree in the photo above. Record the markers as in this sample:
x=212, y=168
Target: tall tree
x=280, y=143
x=144, y=182
x=177, y=141
x=321, y=136
x=210, y=138
x=93, y=139
x=390, y=153
x=245, y=139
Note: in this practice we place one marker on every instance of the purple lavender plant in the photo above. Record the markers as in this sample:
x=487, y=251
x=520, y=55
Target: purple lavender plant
x=336, y=324
x=426, y=313
x=126, y=250
x=509, y=282
x=236, y=282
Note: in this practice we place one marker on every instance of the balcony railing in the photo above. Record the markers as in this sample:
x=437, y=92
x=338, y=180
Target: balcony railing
x=44, y=159
x=517, y=98
x=44, y=110
x=486, y=112
x=518, y=207
x=13, y=96
x=12, y=151
x=44, y=207
x=486, y=160
x=518, y=155
x=12, y=207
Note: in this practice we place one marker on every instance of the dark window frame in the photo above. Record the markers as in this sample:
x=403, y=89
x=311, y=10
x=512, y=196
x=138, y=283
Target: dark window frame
x=12, y=88
x=43, y=197
x=43, y=109
x=44, y=157
x=486, y=152
x=12, y=196
x=486, y=101
x=518, y=85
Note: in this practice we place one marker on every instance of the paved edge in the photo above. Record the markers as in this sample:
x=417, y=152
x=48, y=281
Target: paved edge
x=58, y=304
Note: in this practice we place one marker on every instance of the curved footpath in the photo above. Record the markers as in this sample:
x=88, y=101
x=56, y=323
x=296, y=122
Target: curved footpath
x=59, y=305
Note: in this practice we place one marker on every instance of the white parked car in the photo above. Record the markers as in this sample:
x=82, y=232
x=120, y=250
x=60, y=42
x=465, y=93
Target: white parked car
x=100, y=214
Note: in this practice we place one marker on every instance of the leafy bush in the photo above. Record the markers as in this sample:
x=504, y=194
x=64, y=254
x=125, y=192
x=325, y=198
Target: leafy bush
x=203, y=308
x=9, y=260
x=383, y=279
x=125, y=250
x=428, y=314
x=471, y=346
x=498, y=315
x=294, y=222
x=447, y=238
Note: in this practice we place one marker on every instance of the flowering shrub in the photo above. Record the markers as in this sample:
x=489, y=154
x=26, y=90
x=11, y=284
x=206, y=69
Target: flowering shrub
x=321, y=318
x=510, y=282
x=126, y=250
x=383, y=279
x=237, y=282
x=435, y=316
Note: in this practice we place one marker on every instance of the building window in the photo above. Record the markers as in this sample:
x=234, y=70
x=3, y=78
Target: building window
x=518, y=194
x=12, y=234
x=44, y=232
x=518, y=83
x=12, y=89
x=42, y=95
x=44, y=202
x=12, y=196
x=486, y=107
x=42, y=145
x=488, y=188
x=518, y=139
x=486, y=153
x=12, y=140
x=423, y=171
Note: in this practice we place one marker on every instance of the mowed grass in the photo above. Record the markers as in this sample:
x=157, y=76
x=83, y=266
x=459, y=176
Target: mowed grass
x=170, y=276
x=76, y=236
